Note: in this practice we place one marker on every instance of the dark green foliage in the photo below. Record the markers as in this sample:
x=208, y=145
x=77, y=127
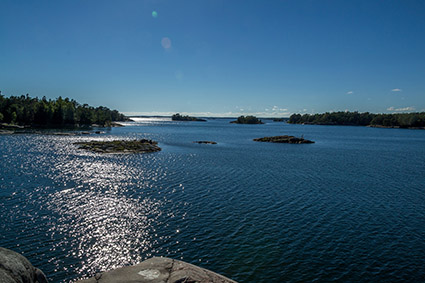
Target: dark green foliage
x=402, y=120
x=24, y=110
x=178, y=117
x=247, y=120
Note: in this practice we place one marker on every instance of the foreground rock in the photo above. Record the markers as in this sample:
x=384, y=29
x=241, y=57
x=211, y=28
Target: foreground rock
x=159, y=269
x=120, y=146
x=16, y=268
x=284, y=139
x=205, y=142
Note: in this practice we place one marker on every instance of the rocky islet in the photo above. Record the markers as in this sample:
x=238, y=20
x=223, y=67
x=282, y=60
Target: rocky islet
x=120, y=146
x=284, y=139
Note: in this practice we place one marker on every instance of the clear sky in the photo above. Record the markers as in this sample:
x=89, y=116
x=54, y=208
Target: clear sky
x=217, y=58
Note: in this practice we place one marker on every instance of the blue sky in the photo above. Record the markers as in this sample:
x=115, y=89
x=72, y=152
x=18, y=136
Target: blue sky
x=217, y=58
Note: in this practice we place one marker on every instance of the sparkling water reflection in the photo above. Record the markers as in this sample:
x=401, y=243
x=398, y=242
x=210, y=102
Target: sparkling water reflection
x=349, y=207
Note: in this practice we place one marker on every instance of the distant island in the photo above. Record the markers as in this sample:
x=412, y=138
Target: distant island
x=247, y=120
x=284, y=139
x=24, y=111
x=401, y=120
x=178, y=117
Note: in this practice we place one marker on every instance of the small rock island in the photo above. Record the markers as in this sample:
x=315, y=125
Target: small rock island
x=205, y=142
x=120, y=146
x=247, y=120
x=284, y=139
x=178, y=117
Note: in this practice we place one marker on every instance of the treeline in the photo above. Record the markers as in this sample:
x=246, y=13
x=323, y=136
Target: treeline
x=402, y=120
x=26, y=111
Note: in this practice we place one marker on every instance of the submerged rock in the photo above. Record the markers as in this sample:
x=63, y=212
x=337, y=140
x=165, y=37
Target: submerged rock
x=120, y=146
x=16, y=268
x=159, y=269
x=115, y=124
x=62, y=134
x=205, y=142
x=10, y=126
x=284, y=139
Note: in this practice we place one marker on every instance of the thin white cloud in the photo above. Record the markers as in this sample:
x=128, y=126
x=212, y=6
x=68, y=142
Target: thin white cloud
x=273, y=111
x=350, y=92
x=396, y=89
x=280, y=112
x=402, y=109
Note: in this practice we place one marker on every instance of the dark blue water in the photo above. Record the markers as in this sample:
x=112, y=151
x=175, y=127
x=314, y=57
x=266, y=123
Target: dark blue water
x=350, y=207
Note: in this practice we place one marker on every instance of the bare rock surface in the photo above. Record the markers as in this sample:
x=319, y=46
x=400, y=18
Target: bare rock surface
x=159, y=270
x=120, y=146
x=284, y=139
x=16, y=268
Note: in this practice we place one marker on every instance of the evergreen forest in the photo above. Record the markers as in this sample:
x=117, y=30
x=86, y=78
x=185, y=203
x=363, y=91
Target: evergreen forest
x=401, y=120
x=61, y=112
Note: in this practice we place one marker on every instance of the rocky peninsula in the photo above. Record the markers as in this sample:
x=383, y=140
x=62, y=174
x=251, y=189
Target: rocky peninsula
x=120, y=146
x=284, y=139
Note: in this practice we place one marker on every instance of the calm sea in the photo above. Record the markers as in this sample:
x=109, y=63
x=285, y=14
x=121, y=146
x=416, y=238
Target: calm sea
x=350, y=207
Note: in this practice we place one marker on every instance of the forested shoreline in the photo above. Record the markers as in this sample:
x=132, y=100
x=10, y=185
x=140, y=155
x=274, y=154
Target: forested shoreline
x=62, y=112
x=399, y=120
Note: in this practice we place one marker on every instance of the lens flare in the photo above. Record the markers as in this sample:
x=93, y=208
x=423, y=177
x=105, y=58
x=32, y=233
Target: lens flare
x=154, y=14
x=166, y=42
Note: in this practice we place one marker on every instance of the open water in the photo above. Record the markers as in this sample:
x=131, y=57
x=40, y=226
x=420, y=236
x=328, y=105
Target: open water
x=350, y=207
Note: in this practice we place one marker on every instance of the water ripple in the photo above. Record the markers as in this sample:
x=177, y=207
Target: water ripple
x=348, y=208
